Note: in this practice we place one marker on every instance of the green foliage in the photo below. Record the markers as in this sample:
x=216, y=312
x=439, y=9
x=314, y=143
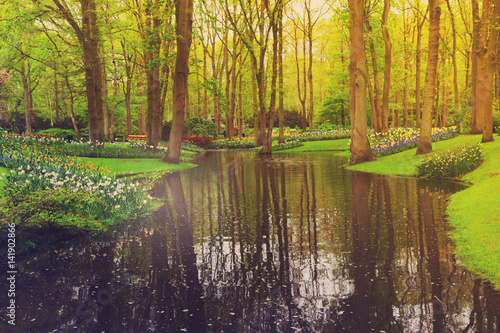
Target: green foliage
x=60, y=133
x=37, y=169
x=200, y=126
x=452, y=162
x=291, y=119
x=50, y=208
x=335, y=107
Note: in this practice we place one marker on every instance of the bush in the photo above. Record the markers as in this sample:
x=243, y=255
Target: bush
x=60, y=133
x=452, y=162
x=198, y=140
x=291, y=119
x=197, y=126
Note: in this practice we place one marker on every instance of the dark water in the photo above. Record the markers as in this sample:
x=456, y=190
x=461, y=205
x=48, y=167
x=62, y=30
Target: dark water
x=291, y=243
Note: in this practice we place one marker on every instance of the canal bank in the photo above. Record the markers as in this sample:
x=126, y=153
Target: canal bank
x=474, y=212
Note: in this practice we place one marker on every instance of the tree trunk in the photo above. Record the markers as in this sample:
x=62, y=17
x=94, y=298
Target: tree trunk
x=115, y=92
x=228, y=81
x=26, y=91
x=240, y=100
x=376, y=107
x=310, y=75
x=183, y=17
x=417, y=60
x=407, y=68
x=93, y=80
x=387, y=70
x=232, y=108
x=154, y=114
x=105, y=109
x=205, y=90
x=127, y=89
x=56, y=94
x=71, y=109
x=256, y=119
x=424, y=141
x=454, y=59
x=436, y=106
x=476, y=36
x=281, y=137
x=480, y=80
x=302, y=97
x=360, y=147
x=491, y=63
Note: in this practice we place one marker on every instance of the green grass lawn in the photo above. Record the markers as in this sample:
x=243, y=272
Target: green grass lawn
x=326, y=145
x=474, y=212
x=123, y=166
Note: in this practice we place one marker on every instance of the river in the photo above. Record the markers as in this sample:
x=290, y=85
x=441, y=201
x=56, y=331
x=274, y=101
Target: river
x=246, y=243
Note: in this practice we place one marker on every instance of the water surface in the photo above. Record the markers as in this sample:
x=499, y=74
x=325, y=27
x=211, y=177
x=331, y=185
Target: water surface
x=243, y=243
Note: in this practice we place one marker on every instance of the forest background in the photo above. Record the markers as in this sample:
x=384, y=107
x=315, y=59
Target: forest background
x=289, y=58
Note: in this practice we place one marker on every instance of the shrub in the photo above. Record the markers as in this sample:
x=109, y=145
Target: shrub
x=60, y=133
x=452, y=162
x=197, y=140
x=197, y=126
x=291, y=119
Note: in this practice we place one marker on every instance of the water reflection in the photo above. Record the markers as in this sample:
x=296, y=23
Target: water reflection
x=251, y=244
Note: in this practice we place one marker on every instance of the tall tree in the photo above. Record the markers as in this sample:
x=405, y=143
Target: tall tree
x=424, y=141
x=360, y=147
x=93, y=80
x=418, y=55
x=152, y=40
x=281, y=137
x=454, y=58
x=491, y=63
x=478, y=53
x=299, y=24
x=184, y=23
x=387, y=69
x=375, y=91
x=260, y=21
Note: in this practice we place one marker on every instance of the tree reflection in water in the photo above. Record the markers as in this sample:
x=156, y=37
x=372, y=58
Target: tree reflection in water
x=255, y=244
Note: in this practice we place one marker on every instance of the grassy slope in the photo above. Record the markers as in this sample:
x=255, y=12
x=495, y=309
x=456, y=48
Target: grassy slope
x=474, y=212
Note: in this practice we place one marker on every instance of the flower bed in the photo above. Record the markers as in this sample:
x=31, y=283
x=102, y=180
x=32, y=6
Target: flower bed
x=131, y=149
x=239, y=142
x=333, y=134
x=451, y=162
x=36, y=167
x=400, y=139
x=287, y=145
